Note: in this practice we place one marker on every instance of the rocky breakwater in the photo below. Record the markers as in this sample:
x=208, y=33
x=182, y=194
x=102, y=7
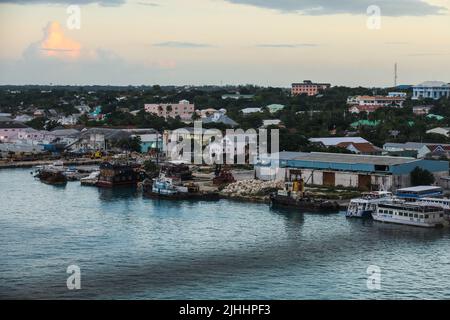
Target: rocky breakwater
x=251, y=190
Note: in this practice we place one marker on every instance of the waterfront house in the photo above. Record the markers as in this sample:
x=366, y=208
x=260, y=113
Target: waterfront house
x=346, y=170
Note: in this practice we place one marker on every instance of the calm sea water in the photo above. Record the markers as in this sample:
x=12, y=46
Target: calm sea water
x=129, y=247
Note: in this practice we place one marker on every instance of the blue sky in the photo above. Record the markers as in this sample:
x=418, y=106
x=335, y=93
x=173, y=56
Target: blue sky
x=264, y=42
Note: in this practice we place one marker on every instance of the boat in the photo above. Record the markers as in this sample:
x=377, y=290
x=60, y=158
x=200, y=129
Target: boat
x=410, y=213
x=116, y=174
x=284, y=198
x=364, y=206
x=50, y=175
x=90, y=180
x=171, y=188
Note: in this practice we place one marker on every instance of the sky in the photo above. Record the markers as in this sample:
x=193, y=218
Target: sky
x=214, y=42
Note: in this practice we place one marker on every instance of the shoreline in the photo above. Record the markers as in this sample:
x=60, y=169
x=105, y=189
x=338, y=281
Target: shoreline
x=30, y=164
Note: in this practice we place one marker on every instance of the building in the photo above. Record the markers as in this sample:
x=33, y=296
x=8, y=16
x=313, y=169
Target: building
x=237, y=96
x=411, y=149
x=379, y=101
x=221, y=118
x=9, y=129
x=333, y=142
x=183, y=109
x=151, y=140
x=309, y=88
x=442, y=131
x=365, y=123
x=360, y=148
x=432, y=90
x=346, y=170
x=356, y=109
x=98, y=139
x=422, y=110
x=274, y=108
x=251, y=110
x=397, y=94
x=272, y=122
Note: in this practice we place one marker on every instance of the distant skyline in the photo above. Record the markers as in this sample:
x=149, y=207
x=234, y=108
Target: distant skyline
x=214, y=42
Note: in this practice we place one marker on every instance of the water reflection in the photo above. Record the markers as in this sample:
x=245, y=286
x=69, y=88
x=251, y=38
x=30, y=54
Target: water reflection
x=117, y=194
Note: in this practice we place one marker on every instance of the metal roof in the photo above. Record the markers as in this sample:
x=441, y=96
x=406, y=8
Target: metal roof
x=351, y=158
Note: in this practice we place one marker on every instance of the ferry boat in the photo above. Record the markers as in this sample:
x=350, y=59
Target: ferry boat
x=408, y=213
x=364, y=206
x=116, y=174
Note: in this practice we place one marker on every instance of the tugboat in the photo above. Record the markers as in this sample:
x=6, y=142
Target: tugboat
x=171, y=188
x=293, y=196
x=364, y=207
x=116, y=174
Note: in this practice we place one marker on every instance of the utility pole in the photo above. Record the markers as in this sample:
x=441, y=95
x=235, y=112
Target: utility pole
x=395, y=75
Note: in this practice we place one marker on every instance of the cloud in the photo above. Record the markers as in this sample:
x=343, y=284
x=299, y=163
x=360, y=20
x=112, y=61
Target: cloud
x=177, y=44
x=55, y=44
x=286, y=45
x=106, y=3
x=327, y=7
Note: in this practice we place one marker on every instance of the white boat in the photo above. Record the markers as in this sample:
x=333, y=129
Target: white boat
x=90, y=180
x=410, y=213
x=364, y=207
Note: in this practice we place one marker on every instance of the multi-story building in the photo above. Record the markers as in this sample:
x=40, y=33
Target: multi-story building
x=309, y=88
x=184, y=109
x=431, y=89
x=380, y=101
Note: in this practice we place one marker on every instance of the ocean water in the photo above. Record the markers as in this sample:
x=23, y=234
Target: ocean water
x=130, y=247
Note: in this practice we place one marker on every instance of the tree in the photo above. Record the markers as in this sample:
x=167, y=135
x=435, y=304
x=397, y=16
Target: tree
x=421, y=177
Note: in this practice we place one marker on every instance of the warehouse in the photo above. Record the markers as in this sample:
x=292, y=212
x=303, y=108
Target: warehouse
x=346, y=170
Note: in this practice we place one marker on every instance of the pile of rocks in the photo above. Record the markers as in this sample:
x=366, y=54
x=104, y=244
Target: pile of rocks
x=251, y=188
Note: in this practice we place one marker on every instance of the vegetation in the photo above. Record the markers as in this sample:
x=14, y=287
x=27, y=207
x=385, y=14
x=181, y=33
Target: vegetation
x=421, y=177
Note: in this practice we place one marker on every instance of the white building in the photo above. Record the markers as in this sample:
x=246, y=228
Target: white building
x=251, y=110
x=431, y=89
x=441, y=131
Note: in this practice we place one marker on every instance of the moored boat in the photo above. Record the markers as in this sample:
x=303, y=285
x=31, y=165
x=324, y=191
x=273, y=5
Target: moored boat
x=52, y=176
x=409, y=213
x=171, y=188
x=364, y=206
x=285, y=199
x=90, y=180
x=116, y=174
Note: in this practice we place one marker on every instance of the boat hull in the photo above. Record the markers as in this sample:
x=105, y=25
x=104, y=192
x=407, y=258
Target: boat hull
x=183, y=196
x=304, y=204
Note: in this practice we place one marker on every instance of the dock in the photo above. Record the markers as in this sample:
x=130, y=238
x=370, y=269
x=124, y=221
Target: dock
x=30, y=164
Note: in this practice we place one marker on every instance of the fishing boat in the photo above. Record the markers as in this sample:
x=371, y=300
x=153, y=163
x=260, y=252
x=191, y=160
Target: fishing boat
x=116, y=174
x=171, y=188
x=364, y=206
x=410, y=213
x=50, y=175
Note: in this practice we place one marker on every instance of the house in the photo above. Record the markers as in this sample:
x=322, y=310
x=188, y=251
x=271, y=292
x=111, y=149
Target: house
x=271, y=122
x=69, y=120
x=441, y=131
x=247, y=111
x=422, y=110
x=309, y=88
x=98, y=139
x=432, y=90
x=437, y=117
x=183, y=109
x=363, y=109
x=219, y=117
x=274, y=108
x=209, y=112
x=238, y=96
x=23, y=118
x=151, y=140
x=346, y=170
x=83, y=109
x=397, y=94
x=360, y=148
x=333, y=142
x=364, y=123
x=379, y=101
x=415, y=149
